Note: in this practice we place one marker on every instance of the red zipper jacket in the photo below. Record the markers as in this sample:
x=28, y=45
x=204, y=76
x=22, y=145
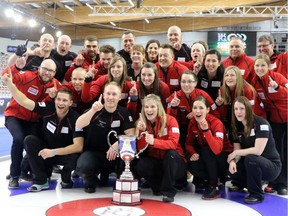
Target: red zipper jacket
x=279, y=63
x=275, y=101
x=215, y=137
x=162, y=143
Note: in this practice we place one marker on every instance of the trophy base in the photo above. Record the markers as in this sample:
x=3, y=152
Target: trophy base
x=126, y=198
x=126, y=193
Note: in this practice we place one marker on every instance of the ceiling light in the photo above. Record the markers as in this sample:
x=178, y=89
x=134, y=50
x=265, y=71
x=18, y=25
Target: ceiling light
x=88, y=5
x=112, y=23
x=147, y=21
x=58, y=33
x=32, y=23
x=9, y=12
x=131, y=3
x=110, y=4
x=43, y=29
x=69, y=8
x=18, y=18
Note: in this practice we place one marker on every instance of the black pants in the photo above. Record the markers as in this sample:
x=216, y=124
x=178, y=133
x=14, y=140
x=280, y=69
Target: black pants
x=161, y=175
x=41, y=168
x=209, y=167
x=90, y=163
x=256, y=168
x=19, y=129
x=280, y=135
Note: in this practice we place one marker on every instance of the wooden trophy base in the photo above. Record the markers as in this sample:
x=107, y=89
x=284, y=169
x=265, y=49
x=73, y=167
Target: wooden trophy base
x=126, y=193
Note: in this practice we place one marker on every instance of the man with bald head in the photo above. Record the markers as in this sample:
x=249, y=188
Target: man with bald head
x=62, y=56
x=36, y=56
x=18, y=120
x=181, y=50
x=238, y=57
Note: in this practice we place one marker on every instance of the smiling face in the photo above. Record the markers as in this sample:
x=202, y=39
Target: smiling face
x=137, y=57
x=174, y=35
x=117, y=70
x=211, y=63
x=165, y=57
x=265, y=47
x=240, y=111
x=63, y=102
x=152, y=51
x=230, y=78
x=147, y=76
x=261, y=67
x=111, y=96
x=47, y=70
x=151, y=110
x=63, y=45
x=105, y=59
x=77, y=78
x=199, y=110
x=188, y=83
x=128, y=41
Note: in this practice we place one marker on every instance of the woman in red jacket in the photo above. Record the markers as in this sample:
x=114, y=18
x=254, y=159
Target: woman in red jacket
x=163, y=162
x=272, y=88
x=208, y=147
x=180, y=103
x=233, y=86
x=149, y=83
x=117, y=72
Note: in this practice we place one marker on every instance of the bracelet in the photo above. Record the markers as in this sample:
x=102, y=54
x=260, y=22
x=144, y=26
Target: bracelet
x=53, y=152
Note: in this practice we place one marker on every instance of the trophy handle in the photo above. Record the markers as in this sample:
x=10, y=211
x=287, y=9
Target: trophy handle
x=143, y=149
x=108, y=140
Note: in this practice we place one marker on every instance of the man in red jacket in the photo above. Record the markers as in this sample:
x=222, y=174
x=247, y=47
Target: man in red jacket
x=20, y=121
x=238, y=58
x=86, y=58
x=169, y=70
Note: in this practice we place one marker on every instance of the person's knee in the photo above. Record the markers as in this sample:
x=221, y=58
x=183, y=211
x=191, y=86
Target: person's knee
x=29, y=142
x=251, y=160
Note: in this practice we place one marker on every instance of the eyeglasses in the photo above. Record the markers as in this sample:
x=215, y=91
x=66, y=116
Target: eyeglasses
x=264, y=45
x=188, y=81
x=50, y=71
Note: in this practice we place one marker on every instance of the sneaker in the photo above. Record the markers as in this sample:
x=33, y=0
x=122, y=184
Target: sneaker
x=57, y=169
x=13, y=183
x=168, y=198
x=235, y=188
x=75, y=174
x=66, y=185
x=269, y=189
x=211, y=193
x=253, y=200
x=282, y=191
x=37, y=187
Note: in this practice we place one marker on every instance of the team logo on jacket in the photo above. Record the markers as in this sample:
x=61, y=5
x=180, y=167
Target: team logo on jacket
x=33, y=91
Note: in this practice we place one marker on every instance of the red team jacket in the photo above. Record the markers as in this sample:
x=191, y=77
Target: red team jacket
x=275, y=101
x=244, y=63
x=30, y=84
x=185, y=106
x=173, y=75
x=87, y=62
x=215, y=137
x=162, y=143
x=279, y=63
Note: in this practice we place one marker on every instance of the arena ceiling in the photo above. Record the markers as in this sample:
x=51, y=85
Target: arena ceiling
x=95, y=16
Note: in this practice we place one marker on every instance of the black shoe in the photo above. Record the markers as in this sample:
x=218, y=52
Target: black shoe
x=26, y=177
x=8, y=177
x=211, y=193
x=282, y=191
x=13, y=183
x=253, y=200
x=89, y=189
x=167, y=199
x=66, y=185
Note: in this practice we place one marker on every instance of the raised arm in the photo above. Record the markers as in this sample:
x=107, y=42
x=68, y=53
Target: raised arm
x=17, y=95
